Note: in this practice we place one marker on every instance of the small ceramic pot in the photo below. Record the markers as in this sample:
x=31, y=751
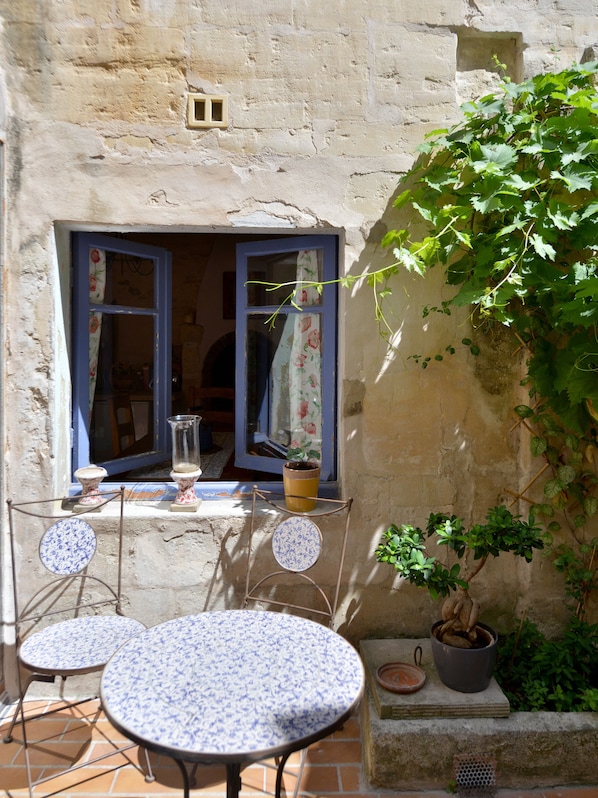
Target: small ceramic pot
x=300, y=479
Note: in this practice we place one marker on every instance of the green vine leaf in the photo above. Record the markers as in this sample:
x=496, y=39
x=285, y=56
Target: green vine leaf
x=566, y=475
x=552, y=488
x=524, y=411
x=543, y=249
x=538, y=445
x=590, y=506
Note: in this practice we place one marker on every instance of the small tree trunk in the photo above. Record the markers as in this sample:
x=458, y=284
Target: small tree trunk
x=460, y=616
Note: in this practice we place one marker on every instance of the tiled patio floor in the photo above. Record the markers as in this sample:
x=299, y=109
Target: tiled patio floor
x=333, y=767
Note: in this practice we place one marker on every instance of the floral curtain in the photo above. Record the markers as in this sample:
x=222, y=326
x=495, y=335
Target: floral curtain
x=97, y=289
x=305, y=389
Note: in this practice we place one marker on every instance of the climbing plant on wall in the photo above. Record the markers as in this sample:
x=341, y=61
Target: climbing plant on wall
x=509, y=198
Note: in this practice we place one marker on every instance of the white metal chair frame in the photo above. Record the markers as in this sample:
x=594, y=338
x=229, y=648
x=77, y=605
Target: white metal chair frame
x=68, y=570
x=324, y=508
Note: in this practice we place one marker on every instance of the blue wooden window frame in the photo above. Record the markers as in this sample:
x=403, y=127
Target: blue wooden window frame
x=327, y=309
x=161, y=315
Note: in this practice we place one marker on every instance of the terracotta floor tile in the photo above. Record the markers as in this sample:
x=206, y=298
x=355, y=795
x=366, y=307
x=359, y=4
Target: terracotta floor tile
x=9, y=753
x=89, y=782
x=331, y=750
x=129, y=781
x=16, y=778
x=320, y=778
x=349, y=731
x=333, y=767
x=289, y=778
x=210, y=778
x=350, y=778
x=52, y=727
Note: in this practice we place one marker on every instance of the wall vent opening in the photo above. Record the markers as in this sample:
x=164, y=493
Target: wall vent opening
x=207, y=110
x=475, y=775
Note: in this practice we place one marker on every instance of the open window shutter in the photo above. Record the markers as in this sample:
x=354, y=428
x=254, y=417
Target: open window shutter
x=285, y=372
x=112, y=399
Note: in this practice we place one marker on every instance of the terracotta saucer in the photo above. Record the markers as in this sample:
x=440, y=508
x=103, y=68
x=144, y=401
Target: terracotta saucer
x=400, y=677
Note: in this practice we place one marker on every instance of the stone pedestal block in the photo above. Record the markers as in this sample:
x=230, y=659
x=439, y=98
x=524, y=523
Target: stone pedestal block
x=405, y=752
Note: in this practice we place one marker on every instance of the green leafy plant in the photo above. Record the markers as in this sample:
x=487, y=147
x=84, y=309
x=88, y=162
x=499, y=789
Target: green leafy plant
x=537, y=674
x=300, y=454
x=579, y=568
x=509, y=199
x=405, y=549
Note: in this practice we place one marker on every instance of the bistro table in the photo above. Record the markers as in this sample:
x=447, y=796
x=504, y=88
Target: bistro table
x=232, y=687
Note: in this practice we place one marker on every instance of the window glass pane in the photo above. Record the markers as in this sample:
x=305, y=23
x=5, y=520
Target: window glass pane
x=284, y=386
x=121, y=400
x=281, y=268
x=116, y=278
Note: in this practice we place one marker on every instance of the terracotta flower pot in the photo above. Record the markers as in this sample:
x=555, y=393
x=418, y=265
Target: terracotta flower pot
x=300, y=479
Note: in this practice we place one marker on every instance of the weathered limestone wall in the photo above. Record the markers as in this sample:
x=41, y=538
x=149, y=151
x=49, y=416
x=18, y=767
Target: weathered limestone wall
x=327, y=103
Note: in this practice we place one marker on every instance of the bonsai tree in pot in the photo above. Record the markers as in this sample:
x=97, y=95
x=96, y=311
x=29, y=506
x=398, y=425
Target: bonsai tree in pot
x=405, y=548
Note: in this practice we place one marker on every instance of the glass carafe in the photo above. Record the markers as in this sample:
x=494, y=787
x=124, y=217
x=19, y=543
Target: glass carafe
x=185, y=443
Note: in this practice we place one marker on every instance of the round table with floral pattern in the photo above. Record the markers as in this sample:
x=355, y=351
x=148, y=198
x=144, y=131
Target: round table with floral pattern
x=232, y=687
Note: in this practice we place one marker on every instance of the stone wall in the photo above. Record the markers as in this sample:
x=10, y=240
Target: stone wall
x=326, y=105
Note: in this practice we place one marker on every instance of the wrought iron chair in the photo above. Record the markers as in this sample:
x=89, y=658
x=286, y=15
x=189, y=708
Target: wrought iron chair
x=300, y=558
x=278, y=565
x=68, y=615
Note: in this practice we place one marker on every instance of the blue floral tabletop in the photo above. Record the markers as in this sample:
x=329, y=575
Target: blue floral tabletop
x=232, y=685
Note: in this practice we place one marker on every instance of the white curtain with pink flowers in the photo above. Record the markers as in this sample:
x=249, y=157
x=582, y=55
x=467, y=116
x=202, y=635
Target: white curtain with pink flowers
x=97, y=289
x=305, y=368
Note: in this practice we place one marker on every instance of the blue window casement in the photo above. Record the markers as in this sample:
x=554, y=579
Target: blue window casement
x=121, y=353
x=286, y=352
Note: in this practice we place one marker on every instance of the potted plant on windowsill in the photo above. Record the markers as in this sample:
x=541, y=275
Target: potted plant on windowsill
x=301, y=478
x=464, y=650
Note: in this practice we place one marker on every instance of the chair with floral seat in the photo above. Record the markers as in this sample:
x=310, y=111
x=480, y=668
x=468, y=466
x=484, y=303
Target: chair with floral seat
x=295, y=559
x=67, y=580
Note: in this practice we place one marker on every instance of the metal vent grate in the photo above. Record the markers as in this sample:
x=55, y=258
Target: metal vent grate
x=475, y=775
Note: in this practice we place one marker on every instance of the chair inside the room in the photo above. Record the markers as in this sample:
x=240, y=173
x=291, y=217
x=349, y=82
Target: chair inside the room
x=124, y=424
x=215, y=405
x=67, y=582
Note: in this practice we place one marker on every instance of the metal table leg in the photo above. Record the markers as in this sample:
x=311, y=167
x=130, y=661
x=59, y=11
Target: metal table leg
x=279, y=773
x=233, y=780
x=183, y=769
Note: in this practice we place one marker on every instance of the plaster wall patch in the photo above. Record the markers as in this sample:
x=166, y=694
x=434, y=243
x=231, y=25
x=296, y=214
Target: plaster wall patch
x=159, y=198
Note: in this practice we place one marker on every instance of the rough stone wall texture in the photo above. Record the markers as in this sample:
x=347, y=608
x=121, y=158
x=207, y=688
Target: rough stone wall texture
x=327, y=103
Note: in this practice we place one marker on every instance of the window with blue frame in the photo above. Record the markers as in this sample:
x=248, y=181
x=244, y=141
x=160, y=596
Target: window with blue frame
x=286, y=352
x=128, y=379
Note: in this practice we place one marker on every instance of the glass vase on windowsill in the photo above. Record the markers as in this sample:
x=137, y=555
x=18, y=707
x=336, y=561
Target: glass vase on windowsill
x=185, y=461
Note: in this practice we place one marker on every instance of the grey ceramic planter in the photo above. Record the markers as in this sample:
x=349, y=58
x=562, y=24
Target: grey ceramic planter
x=468, y=670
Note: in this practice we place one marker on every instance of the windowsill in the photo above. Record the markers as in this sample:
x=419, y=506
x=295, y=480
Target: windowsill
x=218, y=499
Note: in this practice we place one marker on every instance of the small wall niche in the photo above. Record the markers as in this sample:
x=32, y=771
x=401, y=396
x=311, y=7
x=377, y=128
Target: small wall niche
x=207, y=110
x=477, y=72
x=476, y=51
